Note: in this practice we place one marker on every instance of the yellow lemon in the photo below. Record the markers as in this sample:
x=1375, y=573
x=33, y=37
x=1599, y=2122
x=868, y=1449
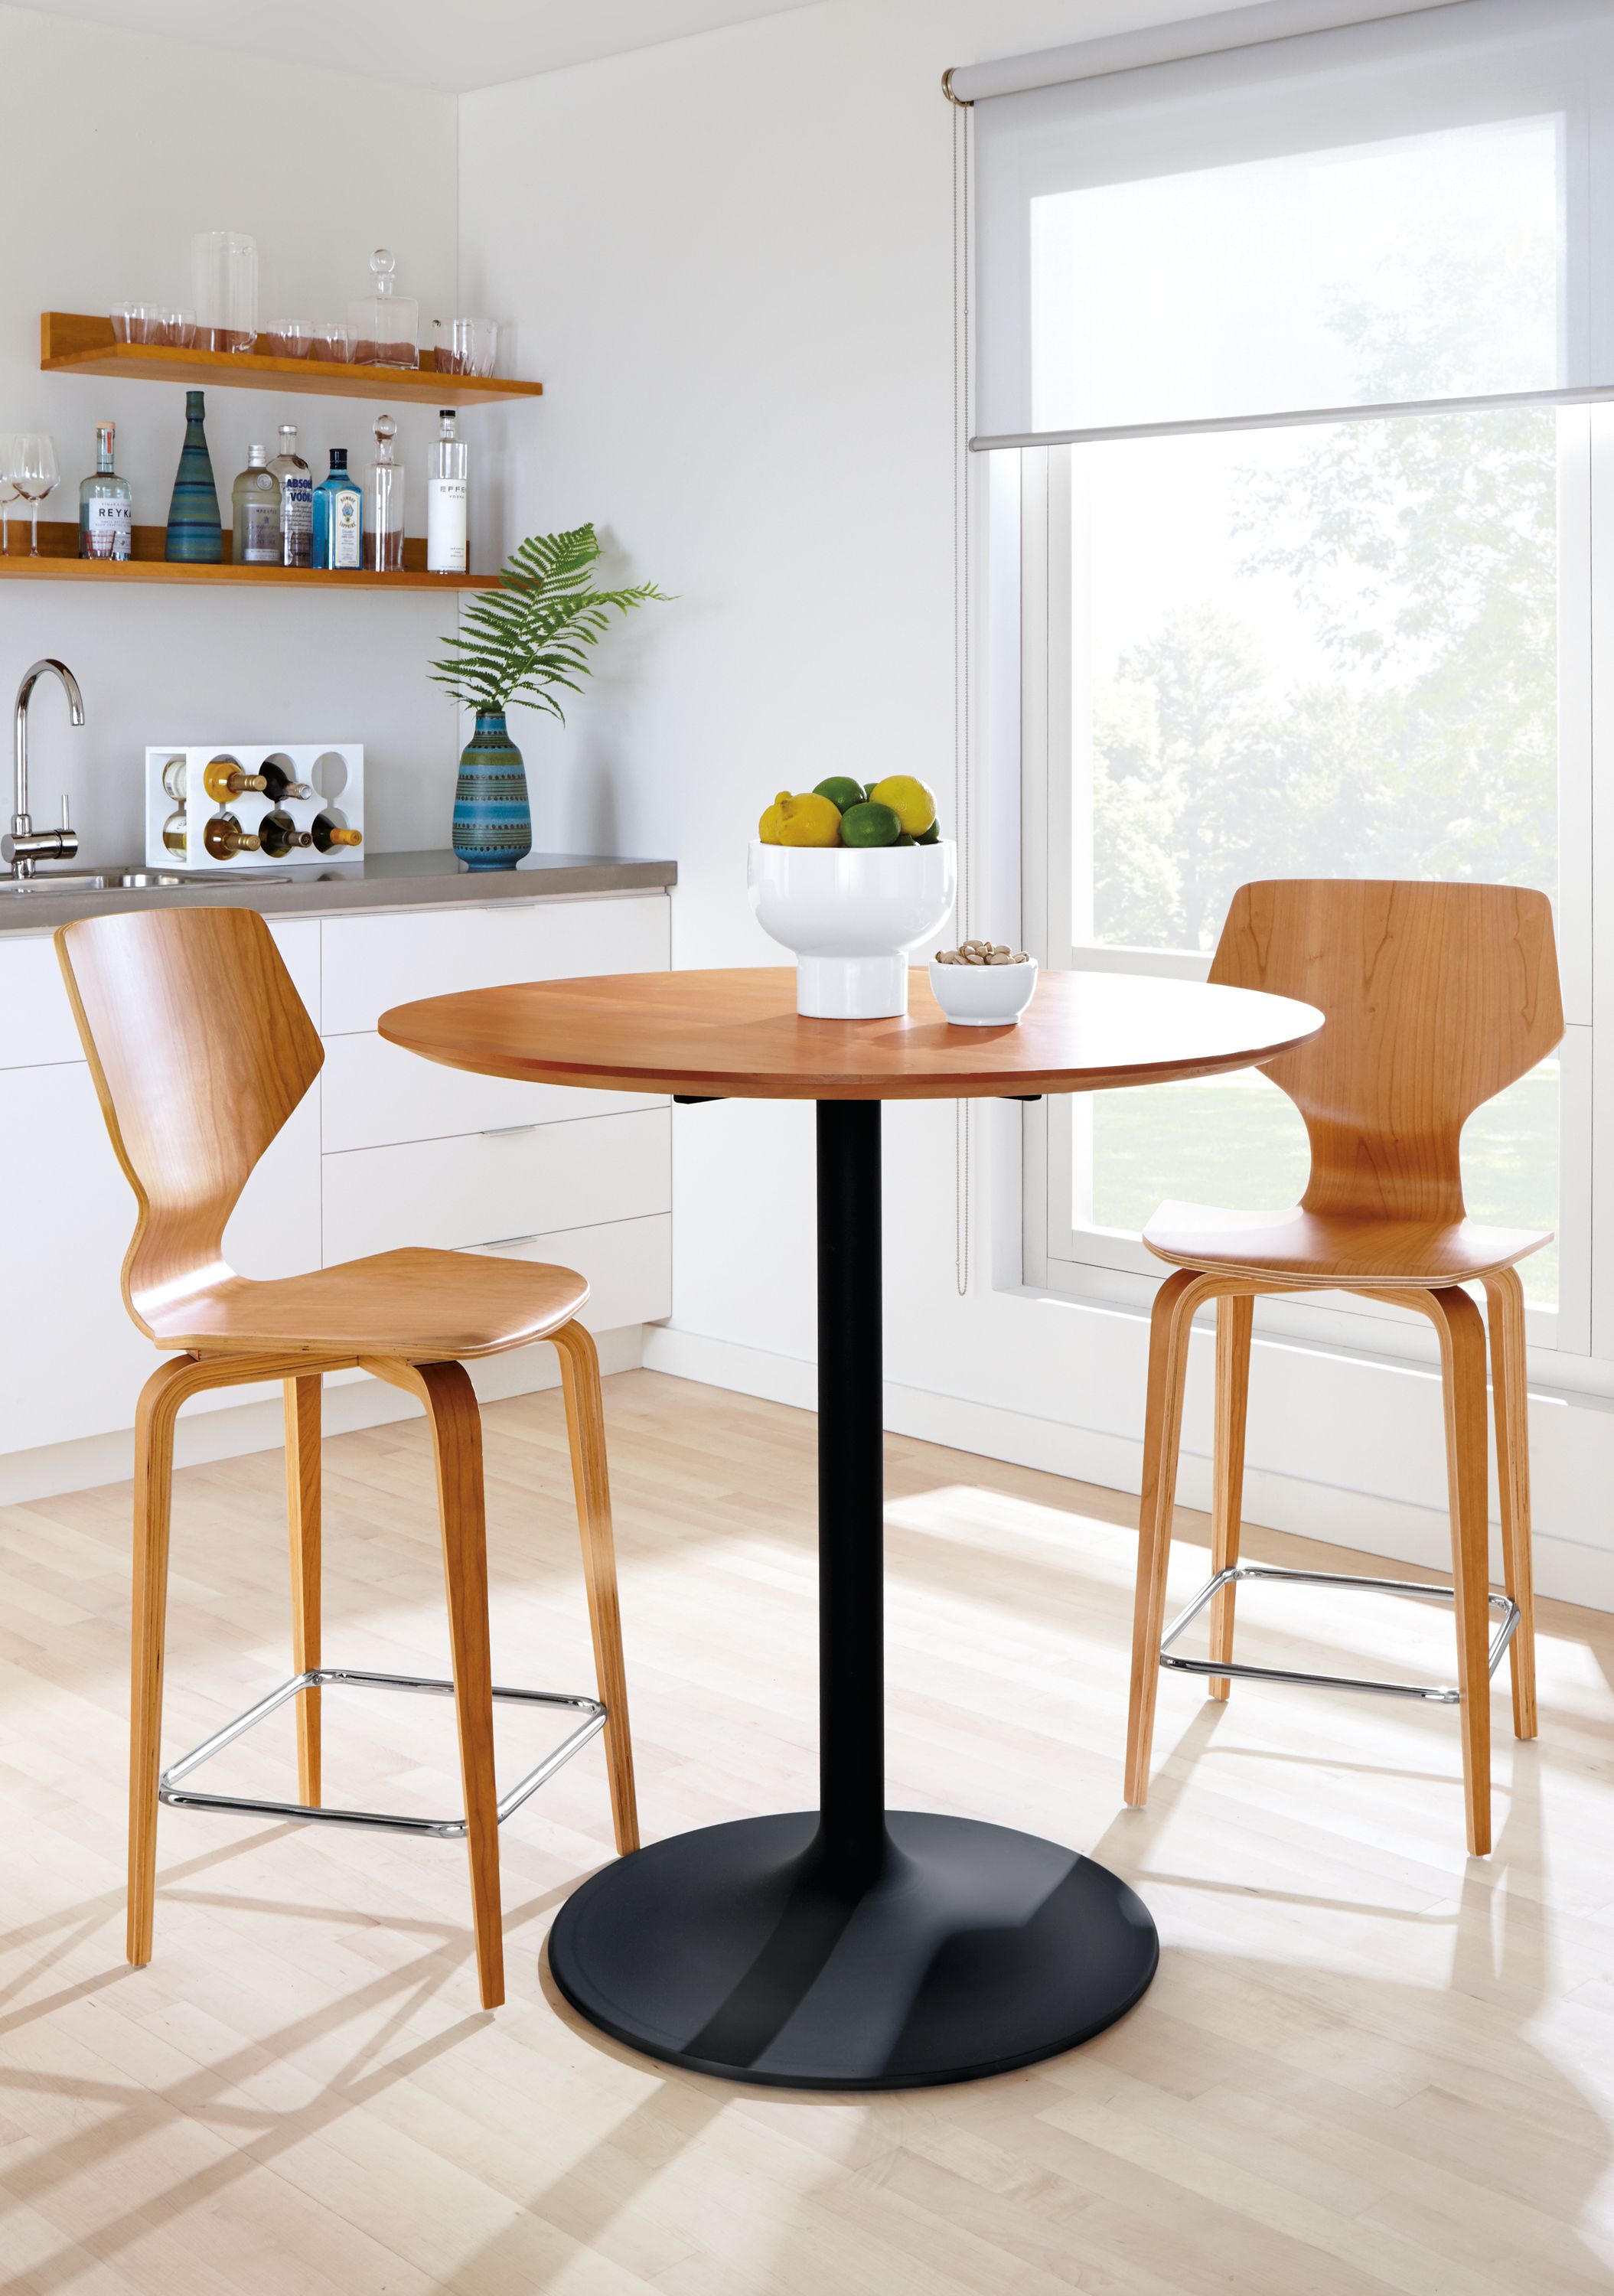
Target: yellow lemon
x=808, y=821
x=909, y=800
x=768, y=828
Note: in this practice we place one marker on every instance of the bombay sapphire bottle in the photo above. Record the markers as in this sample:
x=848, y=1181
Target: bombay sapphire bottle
x=194, y=535
x=339, y=515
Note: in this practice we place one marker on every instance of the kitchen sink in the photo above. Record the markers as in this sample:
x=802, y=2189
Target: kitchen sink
x=129, y=881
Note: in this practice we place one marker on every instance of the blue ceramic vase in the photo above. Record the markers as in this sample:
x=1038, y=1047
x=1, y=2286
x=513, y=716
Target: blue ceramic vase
x=492, y=823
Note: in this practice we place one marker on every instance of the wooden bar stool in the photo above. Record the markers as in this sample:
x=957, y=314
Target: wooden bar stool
x=1438, y=997
x=200, y=1048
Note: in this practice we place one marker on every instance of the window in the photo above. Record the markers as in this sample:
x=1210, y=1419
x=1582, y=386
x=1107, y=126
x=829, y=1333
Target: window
x=1298, y=349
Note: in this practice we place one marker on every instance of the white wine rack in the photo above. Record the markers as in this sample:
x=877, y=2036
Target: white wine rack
x=333, y=770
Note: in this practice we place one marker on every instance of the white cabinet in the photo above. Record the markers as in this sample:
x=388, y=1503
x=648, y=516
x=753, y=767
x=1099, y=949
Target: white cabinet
x=385, y=1149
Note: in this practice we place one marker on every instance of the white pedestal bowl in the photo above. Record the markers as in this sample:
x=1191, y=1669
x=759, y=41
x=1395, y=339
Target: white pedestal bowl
x=852, y=915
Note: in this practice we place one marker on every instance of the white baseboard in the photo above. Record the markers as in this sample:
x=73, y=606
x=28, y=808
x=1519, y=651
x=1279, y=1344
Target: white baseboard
x=1372, y=1522
x=351, y=1401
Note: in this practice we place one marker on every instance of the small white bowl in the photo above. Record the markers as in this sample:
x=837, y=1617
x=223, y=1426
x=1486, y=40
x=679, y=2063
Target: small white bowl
x=983, y=996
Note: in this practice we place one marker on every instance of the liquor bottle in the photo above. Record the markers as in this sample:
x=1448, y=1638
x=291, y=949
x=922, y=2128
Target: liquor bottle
x=223, y=779
x=278, y=835
x=224, y=838
x=173, y=833
x=278, y=785
x=331, y=831
x=446, y=500
x=296, y=501
x=254, y=499
x=339, y=515
x=384, y=503
x=194, y=535
x=106, y=505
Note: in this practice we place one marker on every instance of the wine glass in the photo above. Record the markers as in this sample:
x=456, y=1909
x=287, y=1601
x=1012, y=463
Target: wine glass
x=8, y=491
x=31, y=467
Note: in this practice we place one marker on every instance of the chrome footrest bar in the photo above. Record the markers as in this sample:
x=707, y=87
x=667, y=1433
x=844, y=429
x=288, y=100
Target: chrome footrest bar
x=1444, y=1693
x=168, y=1785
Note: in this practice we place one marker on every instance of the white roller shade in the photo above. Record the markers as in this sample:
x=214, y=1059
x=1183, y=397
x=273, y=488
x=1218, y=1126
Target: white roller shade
x=1414, y=211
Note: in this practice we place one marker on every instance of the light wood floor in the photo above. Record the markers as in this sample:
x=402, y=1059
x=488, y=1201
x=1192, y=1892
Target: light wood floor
x=1366, y=2064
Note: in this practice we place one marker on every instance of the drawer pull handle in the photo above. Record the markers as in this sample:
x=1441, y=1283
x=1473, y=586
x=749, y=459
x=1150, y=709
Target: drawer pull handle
x=504, y=1131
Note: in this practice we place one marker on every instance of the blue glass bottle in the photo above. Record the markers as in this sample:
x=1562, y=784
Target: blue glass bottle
x=194, y=536
x=339, y=516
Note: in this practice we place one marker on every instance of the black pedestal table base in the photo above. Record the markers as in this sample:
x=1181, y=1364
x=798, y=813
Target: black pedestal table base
x=850, y=1948
x=737, y=1950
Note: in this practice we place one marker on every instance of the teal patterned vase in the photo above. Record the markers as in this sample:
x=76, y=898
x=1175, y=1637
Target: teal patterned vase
x=492, y=824
x=194, y=536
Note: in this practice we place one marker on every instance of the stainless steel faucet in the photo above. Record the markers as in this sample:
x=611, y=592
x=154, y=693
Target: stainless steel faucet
x=26, y=844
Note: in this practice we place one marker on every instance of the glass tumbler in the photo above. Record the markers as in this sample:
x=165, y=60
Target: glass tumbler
x=224, y=280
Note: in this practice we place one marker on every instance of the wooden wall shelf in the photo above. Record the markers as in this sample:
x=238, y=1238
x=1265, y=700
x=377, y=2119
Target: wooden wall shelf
x=71, y=342
x=59, y=561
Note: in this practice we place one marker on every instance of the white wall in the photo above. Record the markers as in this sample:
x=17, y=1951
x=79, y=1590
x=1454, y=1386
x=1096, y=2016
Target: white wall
x=117, y=148
x=730, y=258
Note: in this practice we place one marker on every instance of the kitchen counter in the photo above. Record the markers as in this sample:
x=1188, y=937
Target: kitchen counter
x=382, y=881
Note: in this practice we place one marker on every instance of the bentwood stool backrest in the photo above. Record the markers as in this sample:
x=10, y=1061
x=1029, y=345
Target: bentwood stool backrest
x=200, y=1048
x=1438, y=997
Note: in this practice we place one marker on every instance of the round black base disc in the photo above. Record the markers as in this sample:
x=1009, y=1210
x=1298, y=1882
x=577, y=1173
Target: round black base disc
x=738, y=1950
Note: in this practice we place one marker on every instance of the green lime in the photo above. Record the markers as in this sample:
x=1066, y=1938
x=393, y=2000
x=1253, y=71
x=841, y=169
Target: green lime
x=906, y=839
x=928, y=836
x=840, y=791
x=870, y=825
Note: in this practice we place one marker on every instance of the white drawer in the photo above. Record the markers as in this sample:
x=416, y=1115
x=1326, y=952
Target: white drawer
x=370, y=963
x=37, y=1025
x=375, y=1093
x=628, y=1265
x=489, y=1187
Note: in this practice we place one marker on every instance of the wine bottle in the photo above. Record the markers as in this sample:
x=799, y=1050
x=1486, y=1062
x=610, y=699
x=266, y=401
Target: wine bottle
x=339, y=515
x=174, y=779
x=255, y=502
x=224, y=838
x=331, y=831
x=106, y=505
x=173, y=833
x=223, y=779
x=278, y=835
x=194, y=535
x=296, y=501
x=278, y=785
x=446, y=500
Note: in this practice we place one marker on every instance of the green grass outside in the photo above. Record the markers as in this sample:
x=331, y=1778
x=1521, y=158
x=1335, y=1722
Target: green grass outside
x=1238, y=1140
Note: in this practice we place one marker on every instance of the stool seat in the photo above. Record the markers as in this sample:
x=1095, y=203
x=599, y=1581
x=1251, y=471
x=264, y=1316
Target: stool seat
x=1337, y=1250
x=425, y=1307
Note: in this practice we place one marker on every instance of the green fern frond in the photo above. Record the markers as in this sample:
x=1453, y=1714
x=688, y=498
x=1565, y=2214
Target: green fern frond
x=534, y=630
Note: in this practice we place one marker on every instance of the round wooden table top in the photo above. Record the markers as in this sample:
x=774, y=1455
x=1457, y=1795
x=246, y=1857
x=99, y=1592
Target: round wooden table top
x=737, y=1035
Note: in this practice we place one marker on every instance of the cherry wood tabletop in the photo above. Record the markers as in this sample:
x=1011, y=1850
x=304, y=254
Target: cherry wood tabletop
x=738, y=1034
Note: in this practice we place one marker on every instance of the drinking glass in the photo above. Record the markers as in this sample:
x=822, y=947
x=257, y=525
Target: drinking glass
x=224, y=280
x=134, y=323
x=331, y=342
x=176, y=328
x=465, y=346
x=298, y=337
x=8, y=490
x=32, y=468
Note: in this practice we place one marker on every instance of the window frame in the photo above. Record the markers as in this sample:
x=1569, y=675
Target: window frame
x=1115, y=1269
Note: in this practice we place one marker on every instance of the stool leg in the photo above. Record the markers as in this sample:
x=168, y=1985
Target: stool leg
x=586, y=1428
x=456, y=1438
x=1168, y=1329
x=1461, y=1332
x=154, y=1416
x=1235, y=1317
x=303, y=1522
x=1504, y=1296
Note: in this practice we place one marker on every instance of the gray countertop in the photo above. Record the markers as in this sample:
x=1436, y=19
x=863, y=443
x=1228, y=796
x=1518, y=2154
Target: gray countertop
x=382, y=881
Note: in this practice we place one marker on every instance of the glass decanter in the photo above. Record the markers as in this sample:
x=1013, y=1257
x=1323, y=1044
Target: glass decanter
x=384, y=325
x=384, y=506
